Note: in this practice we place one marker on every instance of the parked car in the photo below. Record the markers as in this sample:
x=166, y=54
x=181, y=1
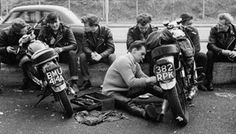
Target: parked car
x=33, y=13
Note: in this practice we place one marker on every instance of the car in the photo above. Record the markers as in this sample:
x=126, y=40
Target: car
x=33, y=13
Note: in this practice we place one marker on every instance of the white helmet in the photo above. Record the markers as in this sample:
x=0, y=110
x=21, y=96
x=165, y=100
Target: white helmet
x=36, y=45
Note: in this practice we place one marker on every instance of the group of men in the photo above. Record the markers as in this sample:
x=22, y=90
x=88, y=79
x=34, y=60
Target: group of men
x=124, y=79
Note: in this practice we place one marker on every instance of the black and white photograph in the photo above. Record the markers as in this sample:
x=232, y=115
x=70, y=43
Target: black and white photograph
x=118, y=66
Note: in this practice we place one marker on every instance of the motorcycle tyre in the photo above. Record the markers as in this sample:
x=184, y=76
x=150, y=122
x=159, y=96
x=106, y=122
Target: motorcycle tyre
x=176, y=107
x=65, y=103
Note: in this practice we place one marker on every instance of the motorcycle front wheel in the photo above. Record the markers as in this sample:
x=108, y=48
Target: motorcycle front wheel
x=179, y=111
x=65, y=103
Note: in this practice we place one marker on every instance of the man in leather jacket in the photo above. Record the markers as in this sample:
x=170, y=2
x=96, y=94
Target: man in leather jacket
x=9, y=43
x=141, y=31
x=221, y=45
x=60, y=37
x=98, y=46
x=192, y=34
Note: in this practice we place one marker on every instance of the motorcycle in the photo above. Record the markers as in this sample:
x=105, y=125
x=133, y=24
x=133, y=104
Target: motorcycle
x=173, y=74
x=48, y=71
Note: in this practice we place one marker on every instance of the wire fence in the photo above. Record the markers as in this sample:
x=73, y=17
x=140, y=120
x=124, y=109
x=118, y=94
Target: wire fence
x=125, y=11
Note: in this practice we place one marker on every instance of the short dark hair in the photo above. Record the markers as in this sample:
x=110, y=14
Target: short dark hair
x=185, y=17
x=144, y=18
x=52, y=17
x=18, y=24
x=138, y=44
x=91, y=19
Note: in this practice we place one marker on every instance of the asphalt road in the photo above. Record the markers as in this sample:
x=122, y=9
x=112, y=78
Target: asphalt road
x=212, y=113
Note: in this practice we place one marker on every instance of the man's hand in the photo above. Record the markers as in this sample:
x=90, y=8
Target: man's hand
x=58, y=49
x=232, y=54
x=95, y=56
x=151, y=80
x=11, y=50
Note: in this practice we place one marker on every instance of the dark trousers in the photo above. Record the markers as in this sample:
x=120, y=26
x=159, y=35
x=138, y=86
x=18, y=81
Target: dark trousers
x=12, y=59
x=201, y=62
x=211, y=59
x=86, y=59
x=7, y=58
x=70, y=58
x=123, y=99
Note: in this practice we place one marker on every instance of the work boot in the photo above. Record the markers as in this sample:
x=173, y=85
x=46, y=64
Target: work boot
x=192, y=93
x=86, y=84
x=74, y=85
x=210, y=86
x=202, y=87
x=150, y=112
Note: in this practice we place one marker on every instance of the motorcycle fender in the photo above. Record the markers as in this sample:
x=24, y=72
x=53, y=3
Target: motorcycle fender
x=168, y=84
x=59, y=88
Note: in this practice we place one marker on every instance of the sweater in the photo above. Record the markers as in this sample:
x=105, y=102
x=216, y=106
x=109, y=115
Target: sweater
x=123, y=74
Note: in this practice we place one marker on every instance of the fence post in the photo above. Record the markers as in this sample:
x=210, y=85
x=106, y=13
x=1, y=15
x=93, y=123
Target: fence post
x=136, y=7
x=203, y=9
x=107, y=11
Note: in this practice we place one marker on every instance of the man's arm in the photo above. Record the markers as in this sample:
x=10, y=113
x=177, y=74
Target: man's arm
x=70, y=39
x=130, y=38
x=140, y=73
x=195, y=39
x=212, y=42
x=85, y=45
x=128, y=76
x=3, y=44
x=41, y=35
x=110, y=43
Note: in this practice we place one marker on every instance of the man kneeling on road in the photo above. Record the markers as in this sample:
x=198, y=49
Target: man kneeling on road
x=125, y=80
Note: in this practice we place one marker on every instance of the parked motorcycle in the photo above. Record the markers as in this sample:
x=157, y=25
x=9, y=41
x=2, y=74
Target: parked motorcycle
x=48, y=71
x=173, y=63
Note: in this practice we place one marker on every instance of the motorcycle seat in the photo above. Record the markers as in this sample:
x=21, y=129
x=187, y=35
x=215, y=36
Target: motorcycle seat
x=44, y=55
x=164, y=50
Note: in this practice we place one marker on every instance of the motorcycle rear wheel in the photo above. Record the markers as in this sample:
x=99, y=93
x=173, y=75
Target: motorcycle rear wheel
x=179, y=110
x=65, y=103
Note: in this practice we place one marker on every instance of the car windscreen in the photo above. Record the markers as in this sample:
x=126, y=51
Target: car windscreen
x=28, y=16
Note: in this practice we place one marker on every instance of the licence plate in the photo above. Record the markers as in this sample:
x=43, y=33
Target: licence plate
x=164, y=72
x=54, y=77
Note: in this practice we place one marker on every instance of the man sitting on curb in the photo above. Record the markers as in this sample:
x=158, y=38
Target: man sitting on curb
x=60, y=37
x=9, y=42
x=125, y=80
x=98, y=46
x=140, y=32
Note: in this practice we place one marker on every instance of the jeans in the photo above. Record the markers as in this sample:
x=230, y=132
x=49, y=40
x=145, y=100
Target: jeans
x=123, y=99
x=70, y=58
x=86, y=59
x=211, y=58
x=201, y=62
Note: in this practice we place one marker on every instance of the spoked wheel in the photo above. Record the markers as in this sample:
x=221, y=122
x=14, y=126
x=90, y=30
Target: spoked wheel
x=178, y=107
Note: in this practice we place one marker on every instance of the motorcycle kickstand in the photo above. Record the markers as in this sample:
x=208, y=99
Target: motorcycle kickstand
x=44, y=95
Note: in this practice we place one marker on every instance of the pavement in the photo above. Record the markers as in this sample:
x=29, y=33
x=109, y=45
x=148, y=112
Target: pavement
x=212, y=113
